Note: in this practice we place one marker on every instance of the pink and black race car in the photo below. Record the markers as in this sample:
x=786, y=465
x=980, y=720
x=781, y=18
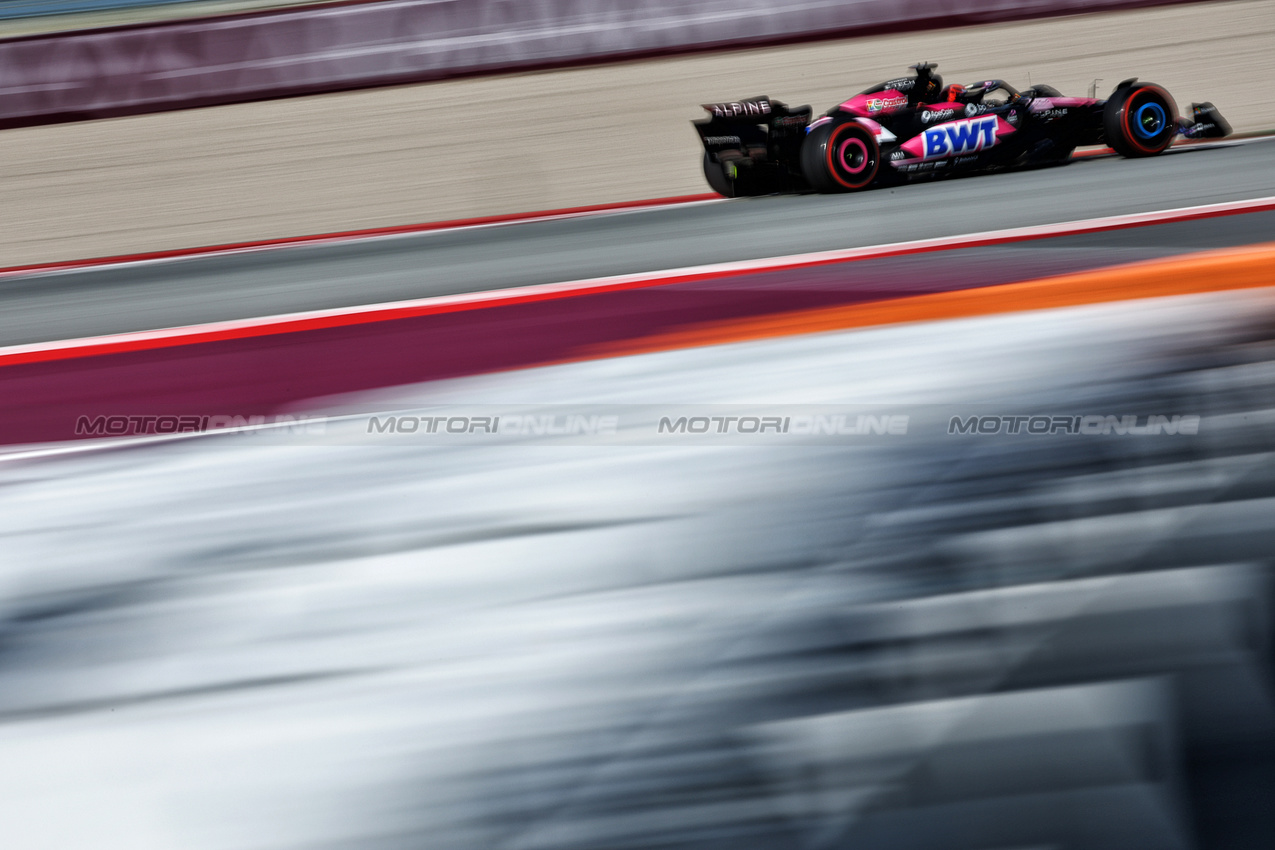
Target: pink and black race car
x=914, y=127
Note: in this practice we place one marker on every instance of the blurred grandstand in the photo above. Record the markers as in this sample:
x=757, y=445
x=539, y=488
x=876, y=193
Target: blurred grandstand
x=31, y=17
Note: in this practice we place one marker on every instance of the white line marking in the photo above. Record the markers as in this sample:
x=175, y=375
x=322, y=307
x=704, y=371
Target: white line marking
x=603, y=284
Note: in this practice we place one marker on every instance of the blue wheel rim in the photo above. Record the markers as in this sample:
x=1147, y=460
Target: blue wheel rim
x=1149, y=120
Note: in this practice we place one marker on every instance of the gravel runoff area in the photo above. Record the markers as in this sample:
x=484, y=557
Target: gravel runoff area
x=545, y=140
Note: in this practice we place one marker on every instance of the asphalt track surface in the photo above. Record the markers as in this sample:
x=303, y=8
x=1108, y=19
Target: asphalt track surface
x=44, y=307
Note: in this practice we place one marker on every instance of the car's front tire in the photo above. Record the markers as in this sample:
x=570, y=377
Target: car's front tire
x=1140, y=120
x=840, y=157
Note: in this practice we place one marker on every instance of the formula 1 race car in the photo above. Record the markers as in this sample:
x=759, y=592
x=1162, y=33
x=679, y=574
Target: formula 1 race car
x=913, y=127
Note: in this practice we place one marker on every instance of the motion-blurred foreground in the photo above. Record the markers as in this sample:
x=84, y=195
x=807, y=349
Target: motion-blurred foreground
x=944, y=641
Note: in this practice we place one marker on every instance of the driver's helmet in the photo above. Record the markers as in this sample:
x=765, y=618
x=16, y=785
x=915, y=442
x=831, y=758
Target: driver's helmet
x=954, y=93
x=933, y=86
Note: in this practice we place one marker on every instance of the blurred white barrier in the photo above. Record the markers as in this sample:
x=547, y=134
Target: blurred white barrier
x=235, y=643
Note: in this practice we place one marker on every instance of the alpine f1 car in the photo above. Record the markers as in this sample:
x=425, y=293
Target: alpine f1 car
x=914, y=127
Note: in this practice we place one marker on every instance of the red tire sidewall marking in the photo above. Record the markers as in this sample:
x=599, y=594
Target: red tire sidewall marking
x=1129, y=135
x=832, y=145
x=841, y=154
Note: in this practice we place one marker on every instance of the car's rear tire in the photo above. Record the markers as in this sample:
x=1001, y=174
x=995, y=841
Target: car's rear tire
x=840, y=157
x=732, y=181
x=715, y=174
x=1140, y=120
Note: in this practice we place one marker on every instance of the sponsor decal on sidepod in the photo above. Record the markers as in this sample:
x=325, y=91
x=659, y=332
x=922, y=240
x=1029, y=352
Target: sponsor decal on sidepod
x=877, y=104
x=942, y=113
x=958, y=137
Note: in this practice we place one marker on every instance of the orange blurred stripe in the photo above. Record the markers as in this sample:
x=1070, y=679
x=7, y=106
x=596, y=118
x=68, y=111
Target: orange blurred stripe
x=1250, y=267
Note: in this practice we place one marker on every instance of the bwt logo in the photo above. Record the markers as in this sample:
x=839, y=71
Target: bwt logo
x=965, y=136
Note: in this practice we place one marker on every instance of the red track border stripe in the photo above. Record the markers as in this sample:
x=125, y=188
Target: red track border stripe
x=365, y=314
x=406, y=229
x=353, y=235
